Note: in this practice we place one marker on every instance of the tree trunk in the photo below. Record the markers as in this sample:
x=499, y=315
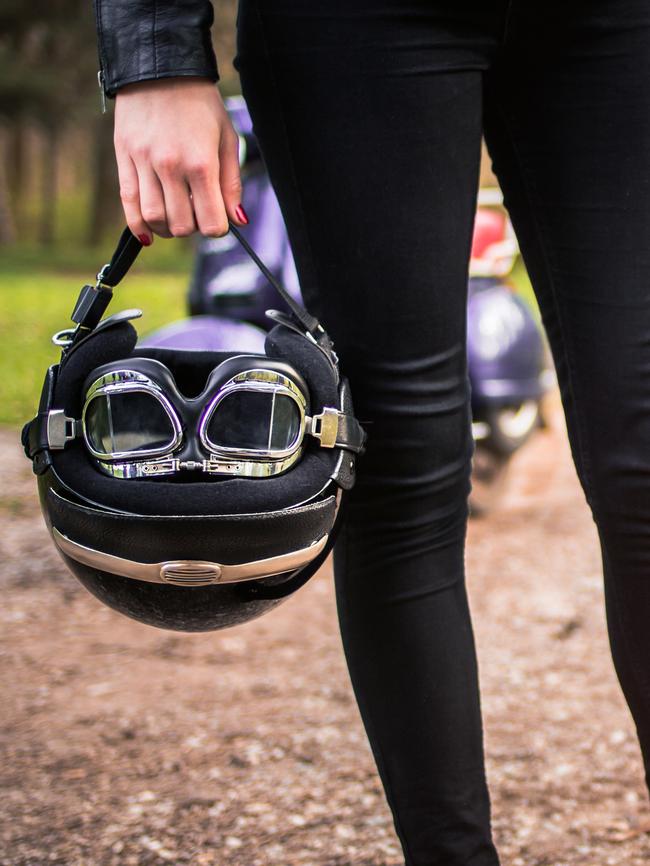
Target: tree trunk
x=16, y=167
x=105, y=208
x=47, y=227
x=7, y=224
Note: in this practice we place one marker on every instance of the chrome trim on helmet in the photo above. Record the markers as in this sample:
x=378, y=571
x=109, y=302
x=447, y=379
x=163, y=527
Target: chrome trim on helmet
x=188, y=572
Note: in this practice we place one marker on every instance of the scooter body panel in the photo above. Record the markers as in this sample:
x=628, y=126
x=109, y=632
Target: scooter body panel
x=505, y=348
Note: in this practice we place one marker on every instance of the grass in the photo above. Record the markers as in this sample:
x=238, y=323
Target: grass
x=35, y=305
x=37, y=294
x=164, y=256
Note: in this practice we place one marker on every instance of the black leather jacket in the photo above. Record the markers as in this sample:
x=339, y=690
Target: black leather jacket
x=143, y=39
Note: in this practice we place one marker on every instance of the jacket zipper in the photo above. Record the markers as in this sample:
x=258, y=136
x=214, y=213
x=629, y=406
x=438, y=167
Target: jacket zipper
x=100, y=82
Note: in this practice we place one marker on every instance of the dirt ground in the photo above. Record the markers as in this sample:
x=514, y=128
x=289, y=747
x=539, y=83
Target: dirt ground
x=126, y=745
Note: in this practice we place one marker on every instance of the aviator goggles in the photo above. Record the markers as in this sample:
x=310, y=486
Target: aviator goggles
x=251, y=419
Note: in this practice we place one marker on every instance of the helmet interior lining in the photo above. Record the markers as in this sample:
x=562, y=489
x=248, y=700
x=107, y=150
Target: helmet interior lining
x=218, y=495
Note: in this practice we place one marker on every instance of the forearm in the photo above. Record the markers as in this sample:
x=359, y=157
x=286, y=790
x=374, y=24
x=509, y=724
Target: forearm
x=149, y=39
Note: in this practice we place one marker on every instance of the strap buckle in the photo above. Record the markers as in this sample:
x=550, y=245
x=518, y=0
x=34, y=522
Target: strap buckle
x=60, y=429
x=325, y=426
x=101, y=276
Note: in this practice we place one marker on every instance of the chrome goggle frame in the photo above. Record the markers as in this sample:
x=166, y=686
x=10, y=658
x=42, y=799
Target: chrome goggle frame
x=147, y=463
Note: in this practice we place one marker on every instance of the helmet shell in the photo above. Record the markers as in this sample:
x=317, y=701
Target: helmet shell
x=97, y=520
x=214, y=538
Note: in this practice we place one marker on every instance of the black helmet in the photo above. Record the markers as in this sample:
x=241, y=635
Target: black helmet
x=192, y=490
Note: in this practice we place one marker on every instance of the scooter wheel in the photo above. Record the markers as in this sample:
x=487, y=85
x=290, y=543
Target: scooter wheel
x=490, y=474
x=511, y=426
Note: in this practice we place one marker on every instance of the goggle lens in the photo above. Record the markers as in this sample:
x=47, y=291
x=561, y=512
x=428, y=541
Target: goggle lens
x=130, y=421
x=255, y=421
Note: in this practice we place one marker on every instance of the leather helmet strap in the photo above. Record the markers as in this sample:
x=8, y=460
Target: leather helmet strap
x=126, y=252
x=309, y=322
x=128, y=249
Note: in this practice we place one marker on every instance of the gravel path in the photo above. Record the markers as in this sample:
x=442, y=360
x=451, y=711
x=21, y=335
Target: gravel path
x=126, y=745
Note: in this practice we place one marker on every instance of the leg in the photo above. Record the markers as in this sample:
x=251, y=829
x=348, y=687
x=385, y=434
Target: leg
x=567, y=122
x=370, y=128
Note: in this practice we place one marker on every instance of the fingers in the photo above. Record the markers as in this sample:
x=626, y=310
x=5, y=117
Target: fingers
x=161, y=196
x=178, y=159
x=229, y=176
x=217, y=189
x=177, y=202
x=153, y=200
x=130, y=196
x=209, y=209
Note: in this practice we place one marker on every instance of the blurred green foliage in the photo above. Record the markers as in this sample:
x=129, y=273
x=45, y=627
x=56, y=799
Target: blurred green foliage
x=57, y=166
x=37, y=296
x=58, y=226
x=172, y=256
x=35, y=304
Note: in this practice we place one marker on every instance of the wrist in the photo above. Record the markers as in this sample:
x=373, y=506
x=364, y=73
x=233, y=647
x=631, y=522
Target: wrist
x=167, y=84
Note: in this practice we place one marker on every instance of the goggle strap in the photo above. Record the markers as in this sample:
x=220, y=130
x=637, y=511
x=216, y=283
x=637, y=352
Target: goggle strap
x=50, y=430
x=351, y=435
x=336, y=429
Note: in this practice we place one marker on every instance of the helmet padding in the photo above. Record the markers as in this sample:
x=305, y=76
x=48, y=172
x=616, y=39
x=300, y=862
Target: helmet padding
x=222, y=495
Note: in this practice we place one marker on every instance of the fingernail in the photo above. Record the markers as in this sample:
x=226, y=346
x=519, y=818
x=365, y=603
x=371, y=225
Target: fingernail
x=145, y=240
x=241, y=213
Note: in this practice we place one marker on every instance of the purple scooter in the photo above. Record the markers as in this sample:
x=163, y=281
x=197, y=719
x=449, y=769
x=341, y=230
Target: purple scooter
x=228, y=295
x=509, y=362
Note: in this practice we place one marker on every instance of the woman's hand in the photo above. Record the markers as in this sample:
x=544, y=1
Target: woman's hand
x=177, y=158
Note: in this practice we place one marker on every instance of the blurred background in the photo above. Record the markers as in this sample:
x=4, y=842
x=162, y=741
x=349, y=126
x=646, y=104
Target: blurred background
x=60, y=212
x=58, y=183
x=121, y=745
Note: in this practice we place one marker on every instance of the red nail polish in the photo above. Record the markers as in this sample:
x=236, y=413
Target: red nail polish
x=241, y=213
x=145, y=240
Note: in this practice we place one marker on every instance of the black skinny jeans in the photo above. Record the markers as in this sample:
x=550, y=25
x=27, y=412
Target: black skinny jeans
x=369, y=114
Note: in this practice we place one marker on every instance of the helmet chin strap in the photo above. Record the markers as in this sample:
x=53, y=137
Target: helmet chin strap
x=93, y=300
